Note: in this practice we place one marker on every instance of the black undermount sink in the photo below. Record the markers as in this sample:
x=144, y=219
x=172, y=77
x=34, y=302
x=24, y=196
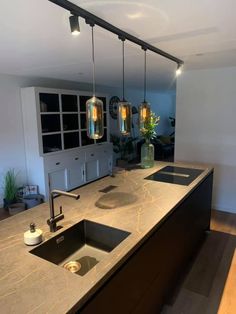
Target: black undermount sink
x=80, y=247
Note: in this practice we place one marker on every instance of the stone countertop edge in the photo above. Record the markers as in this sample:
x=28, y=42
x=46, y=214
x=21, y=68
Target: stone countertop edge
x=29, y=284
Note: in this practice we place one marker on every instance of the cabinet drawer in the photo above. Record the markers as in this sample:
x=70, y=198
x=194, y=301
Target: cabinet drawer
x=76, y=157
x=54, y=162
x=92, y=155
x=98, y=151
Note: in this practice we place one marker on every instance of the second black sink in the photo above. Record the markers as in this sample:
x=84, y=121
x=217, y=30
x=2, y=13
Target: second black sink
x=81, y=247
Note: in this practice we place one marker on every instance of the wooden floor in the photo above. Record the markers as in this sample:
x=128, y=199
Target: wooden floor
x=200, y=290
x=4, y=214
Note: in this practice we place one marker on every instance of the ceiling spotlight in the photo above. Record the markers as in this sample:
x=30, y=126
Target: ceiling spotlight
x=179, y=69
x=74, y=25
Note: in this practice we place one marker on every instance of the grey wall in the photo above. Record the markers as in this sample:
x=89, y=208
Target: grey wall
x=206, y=128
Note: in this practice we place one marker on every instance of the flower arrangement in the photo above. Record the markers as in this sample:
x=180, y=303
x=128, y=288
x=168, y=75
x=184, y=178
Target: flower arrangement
x=149, y=131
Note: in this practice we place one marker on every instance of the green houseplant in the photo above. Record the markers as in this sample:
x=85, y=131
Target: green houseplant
x=10, y=188
x=123, y=146
x=148, y=133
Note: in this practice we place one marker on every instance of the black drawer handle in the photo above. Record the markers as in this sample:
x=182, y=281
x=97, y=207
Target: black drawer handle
x=92, y=155
x=76, y=158
x=57, y=163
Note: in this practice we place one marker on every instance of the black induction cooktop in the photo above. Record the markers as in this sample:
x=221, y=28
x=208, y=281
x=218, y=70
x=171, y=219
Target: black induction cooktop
x=175, y=175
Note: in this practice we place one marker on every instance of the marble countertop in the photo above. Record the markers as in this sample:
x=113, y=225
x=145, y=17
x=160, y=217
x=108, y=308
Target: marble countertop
x=29, y=284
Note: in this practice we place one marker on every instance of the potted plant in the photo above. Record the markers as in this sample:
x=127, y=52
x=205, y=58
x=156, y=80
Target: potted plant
x=10, y=190
x=148, y=133
x=124, y=146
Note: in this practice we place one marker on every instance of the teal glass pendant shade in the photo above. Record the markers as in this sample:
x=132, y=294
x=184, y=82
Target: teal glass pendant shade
x=144, y=115
x=125, y=117
x=94, y=116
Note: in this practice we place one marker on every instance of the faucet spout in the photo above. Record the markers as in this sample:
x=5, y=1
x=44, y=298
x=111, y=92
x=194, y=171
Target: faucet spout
x=59, y=192
x=52, y=221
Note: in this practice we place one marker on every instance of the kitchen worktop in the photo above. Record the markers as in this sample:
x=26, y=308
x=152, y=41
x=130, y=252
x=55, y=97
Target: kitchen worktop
x=29, y=284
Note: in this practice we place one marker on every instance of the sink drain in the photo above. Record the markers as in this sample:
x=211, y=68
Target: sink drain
x=72, y=266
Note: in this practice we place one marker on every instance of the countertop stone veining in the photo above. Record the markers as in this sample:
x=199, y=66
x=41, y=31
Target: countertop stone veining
x=29, y=284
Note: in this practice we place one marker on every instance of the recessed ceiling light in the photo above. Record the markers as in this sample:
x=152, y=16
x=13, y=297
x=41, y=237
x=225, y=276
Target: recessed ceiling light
x=134, y=16
x=199, y=54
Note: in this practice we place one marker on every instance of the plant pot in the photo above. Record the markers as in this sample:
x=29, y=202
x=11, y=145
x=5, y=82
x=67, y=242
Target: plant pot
x=16, y=208
x=7, y=203
x=122, y=163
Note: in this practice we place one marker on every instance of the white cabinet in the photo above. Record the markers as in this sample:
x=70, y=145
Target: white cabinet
x=57, y=147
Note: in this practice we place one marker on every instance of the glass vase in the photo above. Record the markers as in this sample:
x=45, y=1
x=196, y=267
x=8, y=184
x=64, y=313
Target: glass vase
x=147, y=155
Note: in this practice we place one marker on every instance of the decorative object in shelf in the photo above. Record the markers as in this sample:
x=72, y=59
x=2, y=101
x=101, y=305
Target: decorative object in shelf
x=144, y=107
x=94, y=107
x=147, y=149
x=113, y=106
x=125, y=109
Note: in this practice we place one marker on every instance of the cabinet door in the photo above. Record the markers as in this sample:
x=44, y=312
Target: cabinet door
x=92, y=165
x=105, y=161
x=58, y=179
x=92, y=171
x=76, y=175
x=105, y=166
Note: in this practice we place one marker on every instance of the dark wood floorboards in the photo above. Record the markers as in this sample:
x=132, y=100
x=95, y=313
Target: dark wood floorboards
x=201, y=288
x=4, y=214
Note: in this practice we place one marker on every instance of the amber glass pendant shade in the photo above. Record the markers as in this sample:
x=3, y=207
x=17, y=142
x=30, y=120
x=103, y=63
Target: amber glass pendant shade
x=94, y=115
x=125, y=117
x=144, y=115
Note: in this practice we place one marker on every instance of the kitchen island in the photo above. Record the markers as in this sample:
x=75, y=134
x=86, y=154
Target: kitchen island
x=166, y=221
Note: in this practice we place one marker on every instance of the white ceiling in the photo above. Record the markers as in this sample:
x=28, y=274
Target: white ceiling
x=36, y=41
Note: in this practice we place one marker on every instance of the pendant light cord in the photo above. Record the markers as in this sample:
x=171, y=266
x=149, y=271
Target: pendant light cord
x=93, y=58
x=123, y=61
x=145, y=74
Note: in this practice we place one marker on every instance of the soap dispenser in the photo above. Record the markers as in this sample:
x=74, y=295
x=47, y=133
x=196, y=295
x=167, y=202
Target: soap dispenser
x=33, y=236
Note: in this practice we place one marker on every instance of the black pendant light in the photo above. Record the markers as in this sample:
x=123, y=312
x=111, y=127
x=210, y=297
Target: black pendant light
x=124, y=107
x=94, y=108
x=144, y=107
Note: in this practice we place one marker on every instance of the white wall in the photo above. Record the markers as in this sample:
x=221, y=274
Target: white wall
x=12, y=153
x=206, y=127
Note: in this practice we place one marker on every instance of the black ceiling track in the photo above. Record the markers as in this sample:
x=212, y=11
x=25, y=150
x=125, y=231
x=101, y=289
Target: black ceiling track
x=95, y=20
